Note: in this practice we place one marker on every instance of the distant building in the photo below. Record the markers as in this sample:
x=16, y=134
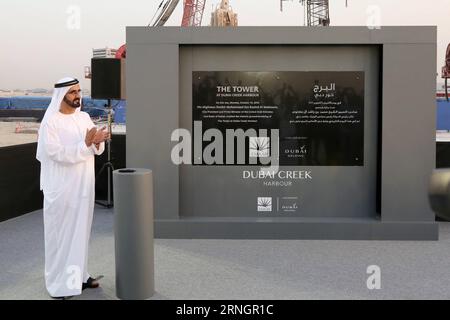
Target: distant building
x=224, y=16
x=39, y=90
x=104, y=53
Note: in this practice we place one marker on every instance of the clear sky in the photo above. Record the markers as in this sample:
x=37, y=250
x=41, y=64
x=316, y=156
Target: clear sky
x=37, y=47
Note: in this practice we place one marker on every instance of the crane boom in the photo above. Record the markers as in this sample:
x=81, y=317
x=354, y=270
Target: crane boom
x=165, y=13
x=317, y=11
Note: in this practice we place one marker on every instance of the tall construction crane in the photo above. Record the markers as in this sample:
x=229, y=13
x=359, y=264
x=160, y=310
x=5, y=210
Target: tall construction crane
x=446, y=71
x=163, y=13
x=192, y=16
x=317, y=12
x=192, y=13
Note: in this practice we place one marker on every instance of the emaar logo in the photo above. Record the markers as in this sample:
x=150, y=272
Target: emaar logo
x=259, y=147
x=264, y=204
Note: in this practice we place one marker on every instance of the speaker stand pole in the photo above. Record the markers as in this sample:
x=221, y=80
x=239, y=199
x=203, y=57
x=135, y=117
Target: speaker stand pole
x=107, y=165
x=446, y=89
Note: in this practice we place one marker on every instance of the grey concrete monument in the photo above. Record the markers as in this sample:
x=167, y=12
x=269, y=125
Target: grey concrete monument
x=349, y=115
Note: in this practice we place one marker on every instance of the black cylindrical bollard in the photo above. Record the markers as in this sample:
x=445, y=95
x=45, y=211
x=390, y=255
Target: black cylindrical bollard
x=133, y=233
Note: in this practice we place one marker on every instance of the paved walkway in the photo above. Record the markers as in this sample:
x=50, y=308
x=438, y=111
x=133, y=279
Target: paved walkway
x=239, y=269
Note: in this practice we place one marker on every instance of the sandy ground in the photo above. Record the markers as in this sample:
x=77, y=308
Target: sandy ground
x=15, y=132
x=9, y=94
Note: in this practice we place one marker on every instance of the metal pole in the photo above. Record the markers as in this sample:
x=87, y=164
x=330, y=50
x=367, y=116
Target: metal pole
x=108, y=166
x=109, y=153
x=446, y=89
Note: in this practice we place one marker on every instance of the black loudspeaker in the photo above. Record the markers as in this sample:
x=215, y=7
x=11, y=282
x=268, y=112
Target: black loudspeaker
x=108, y=78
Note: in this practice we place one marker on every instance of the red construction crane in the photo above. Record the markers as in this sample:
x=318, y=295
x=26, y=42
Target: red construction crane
x=192, y=16
x=446, y=71
x=193, y=13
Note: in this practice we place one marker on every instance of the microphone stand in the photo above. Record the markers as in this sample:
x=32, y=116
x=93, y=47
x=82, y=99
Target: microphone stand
x=446, y=89
x=108, y=164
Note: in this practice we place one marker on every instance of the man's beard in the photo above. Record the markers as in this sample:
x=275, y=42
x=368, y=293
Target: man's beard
x=76, y=103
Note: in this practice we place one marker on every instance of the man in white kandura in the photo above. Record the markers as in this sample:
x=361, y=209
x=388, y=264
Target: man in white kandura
x=67, y=143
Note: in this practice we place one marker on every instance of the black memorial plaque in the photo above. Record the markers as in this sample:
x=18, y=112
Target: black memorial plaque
x=319, y=115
